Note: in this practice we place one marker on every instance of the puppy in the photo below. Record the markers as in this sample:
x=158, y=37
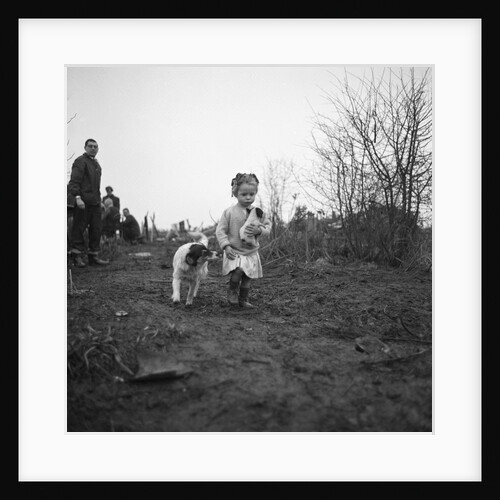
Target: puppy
x=190, y=265
x=254, y=217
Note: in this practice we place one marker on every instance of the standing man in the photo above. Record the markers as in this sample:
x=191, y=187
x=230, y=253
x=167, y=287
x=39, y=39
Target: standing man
x=85, y=185
x=110, y=195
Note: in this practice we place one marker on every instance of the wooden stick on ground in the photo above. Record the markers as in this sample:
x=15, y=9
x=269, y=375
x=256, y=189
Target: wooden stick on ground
x=401, y=358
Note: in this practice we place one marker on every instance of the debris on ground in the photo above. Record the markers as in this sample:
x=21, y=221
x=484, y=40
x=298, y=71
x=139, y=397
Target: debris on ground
x=371, y=345
x=157, y=365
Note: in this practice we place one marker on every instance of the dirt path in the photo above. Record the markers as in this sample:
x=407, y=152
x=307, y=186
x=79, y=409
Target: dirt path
x=305, y=360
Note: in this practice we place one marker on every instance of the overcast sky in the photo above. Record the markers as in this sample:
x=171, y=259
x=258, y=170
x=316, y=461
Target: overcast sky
x=171, y=138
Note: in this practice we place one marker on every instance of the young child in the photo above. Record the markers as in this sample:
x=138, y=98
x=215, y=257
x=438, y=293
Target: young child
x=240, y=261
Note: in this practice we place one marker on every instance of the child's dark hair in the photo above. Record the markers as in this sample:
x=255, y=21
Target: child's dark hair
x=243, y=179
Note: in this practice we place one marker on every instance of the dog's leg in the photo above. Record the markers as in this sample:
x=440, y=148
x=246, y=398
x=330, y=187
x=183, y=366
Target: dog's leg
x=196, y=286
x=191, y=293
x=176, y=287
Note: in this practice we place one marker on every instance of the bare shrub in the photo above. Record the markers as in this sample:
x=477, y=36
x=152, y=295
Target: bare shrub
x=375, y=161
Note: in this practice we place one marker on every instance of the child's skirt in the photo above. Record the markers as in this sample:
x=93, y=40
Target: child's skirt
x=250, y=264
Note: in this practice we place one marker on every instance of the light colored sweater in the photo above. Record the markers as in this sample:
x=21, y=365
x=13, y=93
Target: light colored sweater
x=228, y=229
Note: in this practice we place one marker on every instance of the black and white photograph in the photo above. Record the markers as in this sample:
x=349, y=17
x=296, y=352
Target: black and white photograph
x=252, y=250
x=249, y=248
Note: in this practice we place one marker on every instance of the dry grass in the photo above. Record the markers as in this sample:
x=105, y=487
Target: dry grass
x=304, y=248
x=91, y=351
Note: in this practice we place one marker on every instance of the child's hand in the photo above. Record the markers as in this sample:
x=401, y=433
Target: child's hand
x=230, y=254
x=253, y=230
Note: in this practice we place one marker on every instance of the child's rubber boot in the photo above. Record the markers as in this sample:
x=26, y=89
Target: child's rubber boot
x=232, y=294
x=243, y=298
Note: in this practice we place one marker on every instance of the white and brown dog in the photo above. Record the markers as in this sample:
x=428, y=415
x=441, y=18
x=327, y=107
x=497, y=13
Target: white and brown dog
x=190, y=265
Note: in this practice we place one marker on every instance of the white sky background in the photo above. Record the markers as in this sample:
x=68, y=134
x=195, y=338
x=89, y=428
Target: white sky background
x=452, y=452
x=171, y=138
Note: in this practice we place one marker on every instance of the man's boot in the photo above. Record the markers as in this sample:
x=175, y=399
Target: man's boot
x=96, y=261
x=78, y=261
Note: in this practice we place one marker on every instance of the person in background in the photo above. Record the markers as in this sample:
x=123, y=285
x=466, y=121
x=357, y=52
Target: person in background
x=111, y=196
x=110, y=219
x=131, y=232
x=84, y=185
x=70, y=209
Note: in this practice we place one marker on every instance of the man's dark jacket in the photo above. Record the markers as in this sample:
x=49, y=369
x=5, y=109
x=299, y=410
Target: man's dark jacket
x=85, y=179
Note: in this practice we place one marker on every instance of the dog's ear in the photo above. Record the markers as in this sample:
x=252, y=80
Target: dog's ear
x=259, y=212
x=195, y=252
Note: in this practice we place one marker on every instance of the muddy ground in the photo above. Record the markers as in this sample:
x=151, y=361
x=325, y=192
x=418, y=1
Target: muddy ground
x=342, y=347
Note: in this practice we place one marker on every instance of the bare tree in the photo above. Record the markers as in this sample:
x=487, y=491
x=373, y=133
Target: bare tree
x=375, y=158
x=278, y=191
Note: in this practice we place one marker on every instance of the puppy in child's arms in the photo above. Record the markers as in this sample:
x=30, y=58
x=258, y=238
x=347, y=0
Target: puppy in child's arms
x=254, y=219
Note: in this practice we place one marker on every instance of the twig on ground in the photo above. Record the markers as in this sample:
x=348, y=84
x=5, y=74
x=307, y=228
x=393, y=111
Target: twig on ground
x=104, y=370
x=355, y=313
x=390, y=317
x=401, y=358
x=402, y=323
x=73, y=289
x=250, y=360
x=405, y=339
x=122, y=365
x=347, y=390
x=274, y=260
x=406, y=328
